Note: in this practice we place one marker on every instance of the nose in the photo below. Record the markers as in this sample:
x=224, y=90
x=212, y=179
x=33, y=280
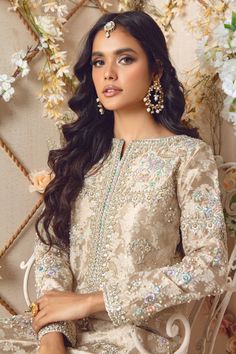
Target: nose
x=110, y=73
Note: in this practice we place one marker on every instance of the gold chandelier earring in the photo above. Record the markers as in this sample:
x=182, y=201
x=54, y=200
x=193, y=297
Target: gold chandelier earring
x=100, y=107
x=154, y=100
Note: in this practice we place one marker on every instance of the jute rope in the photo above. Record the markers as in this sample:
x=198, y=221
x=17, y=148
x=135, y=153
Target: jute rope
x=14, y=159
x=7, y=306
x=76, y=8
x=5, y=147
x=20, y=228
x=20, y=14
x=34, y=52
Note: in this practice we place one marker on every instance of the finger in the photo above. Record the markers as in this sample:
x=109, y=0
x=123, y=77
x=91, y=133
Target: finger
x=53, y=292
x=40, y=320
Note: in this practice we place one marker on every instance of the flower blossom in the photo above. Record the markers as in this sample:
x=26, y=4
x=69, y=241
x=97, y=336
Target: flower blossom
x=18, y=59
x=43, y=43
x=47, y=25
x=228, y=77
x=6, y=90
x=40, y=180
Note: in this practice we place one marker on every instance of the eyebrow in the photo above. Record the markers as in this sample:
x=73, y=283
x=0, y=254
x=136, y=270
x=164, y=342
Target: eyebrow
x=118, y=51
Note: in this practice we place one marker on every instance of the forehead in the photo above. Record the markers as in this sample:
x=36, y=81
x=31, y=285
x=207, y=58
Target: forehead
x=119, y=38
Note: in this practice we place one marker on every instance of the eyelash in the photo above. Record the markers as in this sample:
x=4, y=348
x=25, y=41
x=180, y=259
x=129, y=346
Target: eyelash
x=96, y=61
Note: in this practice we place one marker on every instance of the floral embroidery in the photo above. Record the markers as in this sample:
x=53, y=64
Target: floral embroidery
x=125, y=229
x=139, y=248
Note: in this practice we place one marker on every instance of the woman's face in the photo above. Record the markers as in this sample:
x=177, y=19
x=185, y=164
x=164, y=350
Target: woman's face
x=120, y=70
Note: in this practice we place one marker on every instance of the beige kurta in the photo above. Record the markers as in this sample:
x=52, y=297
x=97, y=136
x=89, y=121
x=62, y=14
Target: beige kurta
x=125, y=230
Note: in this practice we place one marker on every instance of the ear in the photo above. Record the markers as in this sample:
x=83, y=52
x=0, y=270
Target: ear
x=157, y=74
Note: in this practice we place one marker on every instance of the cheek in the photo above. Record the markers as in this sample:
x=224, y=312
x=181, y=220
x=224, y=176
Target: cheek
x=138, y=80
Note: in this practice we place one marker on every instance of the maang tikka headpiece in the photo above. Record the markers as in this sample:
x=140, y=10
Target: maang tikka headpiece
x=108, y=28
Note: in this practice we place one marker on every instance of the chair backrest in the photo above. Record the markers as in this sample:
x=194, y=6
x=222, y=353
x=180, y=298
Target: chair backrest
x=27, y=266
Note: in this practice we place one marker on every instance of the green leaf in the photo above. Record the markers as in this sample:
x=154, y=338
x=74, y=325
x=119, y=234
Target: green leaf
x=233, y=23
x=226, y=25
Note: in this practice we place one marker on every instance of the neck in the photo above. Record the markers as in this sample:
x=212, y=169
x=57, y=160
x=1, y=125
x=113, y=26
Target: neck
x=133, y=124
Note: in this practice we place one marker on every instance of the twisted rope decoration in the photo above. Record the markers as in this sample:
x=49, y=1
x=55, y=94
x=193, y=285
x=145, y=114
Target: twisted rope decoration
x=21, y=227
x=21, y=16
x=7, y=306
x=76, y=8
x=14, y=159
x=29, y=58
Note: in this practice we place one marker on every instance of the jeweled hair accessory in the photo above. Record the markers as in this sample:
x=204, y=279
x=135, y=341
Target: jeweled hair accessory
x=108, y=28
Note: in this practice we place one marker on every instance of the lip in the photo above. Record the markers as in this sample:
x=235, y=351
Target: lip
x=111, y=90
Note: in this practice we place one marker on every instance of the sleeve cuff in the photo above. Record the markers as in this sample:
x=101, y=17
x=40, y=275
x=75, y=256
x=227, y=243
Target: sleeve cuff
x=113, y=305
x=67, y=328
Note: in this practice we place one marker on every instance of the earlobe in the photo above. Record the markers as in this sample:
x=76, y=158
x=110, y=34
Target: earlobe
x=156, y=77
x=159, y=70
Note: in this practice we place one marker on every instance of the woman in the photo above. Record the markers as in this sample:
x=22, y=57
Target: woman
x=132, y=227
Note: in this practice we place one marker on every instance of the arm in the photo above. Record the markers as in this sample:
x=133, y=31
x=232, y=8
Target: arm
x=202, y=270
x=52, y=271
x=52, y=342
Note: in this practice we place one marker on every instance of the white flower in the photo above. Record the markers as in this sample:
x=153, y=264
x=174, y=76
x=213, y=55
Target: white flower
x=18, y=57
x=63, y=70
x=50, y=6
x=6, y=91
x=62, y=10
x=43, y=43
x=55, y=98
x=7, y=94
x=47, y=25
x=18, y=60
x=24, y=69
x=221, y=35
x=203, y=55
x=229, y=110
x=5, y=78
x=219, y=60
x=228, y=77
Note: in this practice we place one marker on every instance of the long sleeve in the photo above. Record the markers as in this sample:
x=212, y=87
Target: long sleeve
x=52, y=272
x=202, y=271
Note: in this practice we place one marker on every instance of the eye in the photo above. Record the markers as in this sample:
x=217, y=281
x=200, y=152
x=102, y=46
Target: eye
x=126, y=60
x=97, y=62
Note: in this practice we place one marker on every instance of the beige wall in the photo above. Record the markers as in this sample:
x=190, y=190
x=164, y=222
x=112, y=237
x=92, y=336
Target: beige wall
x=27, y=133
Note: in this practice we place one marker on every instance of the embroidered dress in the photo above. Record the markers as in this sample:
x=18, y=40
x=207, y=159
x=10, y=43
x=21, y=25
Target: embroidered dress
x=127, y=222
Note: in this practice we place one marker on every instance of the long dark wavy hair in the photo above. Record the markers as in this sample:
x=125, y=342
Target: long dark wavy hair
x=89, y=138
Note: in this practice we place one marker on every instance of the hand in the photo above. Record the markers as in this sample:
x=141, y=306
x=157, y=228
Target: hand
x=57, y=306
x=52, y=342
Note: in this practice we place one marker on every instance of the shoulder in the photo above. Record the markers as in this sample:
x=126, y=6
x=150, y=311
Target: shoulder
x=196, y=159
x=188, y=148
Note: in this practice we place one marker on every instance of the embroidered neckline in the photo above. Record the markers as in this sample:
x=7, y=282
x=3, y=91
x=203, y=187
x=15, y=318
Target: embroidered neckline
x=147, y=140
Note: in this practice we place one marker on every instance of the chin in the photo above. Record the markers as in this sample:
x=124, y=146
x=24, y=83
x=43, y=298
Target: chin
x=116, y=107
x=112, y=107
